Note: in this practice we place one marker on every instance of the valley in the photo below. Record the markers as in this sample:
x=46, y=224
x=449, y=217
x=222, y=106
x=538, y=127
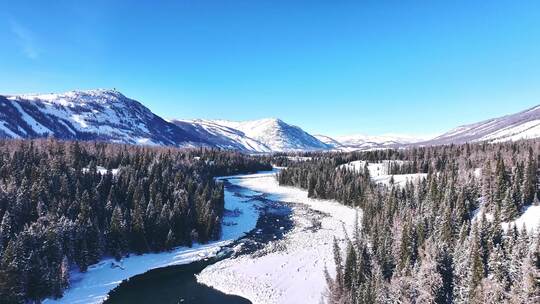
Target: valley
x=270, y=152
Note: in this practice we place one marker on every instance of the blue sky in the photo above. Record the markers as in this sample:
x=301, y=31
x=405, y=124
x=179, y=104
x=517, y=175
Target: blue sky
x=332, y=67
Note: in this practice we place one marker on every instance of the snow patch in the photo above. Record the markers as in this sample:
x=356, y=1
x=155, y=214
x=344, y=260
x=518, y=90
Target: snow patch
x=78, y=119
x=379, y=172
x=530, y=219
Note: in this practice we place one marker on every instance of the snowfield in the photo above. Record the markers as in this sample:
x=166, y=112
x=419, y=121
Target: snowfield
x=94, y=285
x=290, y=270
x=400, y=180
x=379, y=172
x=375, y=169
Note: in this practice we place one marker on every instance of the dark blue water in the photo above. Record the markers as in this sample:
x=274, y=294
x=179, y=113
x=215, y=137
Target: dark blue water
x=177, y=284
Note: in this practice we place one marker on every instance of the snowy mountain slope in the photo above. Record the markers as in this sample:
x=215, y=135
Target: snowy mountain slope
x=221, y=136
x=276, y=134
x=88, y=115
x=329, y=141
x=107, y=115
x=522, y=125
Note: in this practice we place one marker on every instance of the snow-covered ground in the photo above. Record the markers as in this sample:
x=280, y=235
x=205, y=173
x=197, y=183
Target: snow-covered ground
x=379, y=172
x=290, y=270
x=94, y=285
x=399, y=179
x=530, y=219
x=102, y=170
x=299, y=158
x=375, y=169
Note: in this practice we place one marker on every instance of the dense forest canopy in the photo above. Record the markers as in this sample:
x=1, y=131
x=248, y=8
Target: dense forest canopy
x=433, y=240
x=438, y=239
x=68, y=204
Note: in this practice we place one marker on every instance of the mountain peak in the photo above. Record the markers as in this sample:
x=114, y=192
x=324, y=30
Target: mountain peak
x=261, y=135
x=99, y=114
x=269, y=120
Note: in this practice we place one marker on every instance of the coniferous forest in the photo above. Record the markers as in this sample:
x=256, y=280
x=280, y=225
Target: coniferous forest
x=427, y=241
x=69, y=204
x=442, y=239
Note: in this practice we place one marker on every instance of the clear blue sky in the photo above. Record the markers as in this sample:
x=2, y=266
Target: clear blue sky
x=332, y=67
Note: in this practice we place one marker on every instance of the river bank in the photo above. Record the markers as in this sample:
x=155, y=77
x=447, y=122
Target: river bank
x=291, y=269
x=178, y=284
x=92, y=286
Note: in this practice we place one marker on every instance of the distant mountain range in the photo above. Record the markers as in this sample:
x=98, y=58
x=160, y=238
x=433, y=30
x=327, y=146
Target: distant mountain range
x=366, y=142
x=107, y=115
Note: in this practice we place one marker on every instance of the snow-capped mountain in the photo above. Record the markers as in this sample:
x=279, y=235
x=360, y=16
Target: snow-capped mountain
x=221, y=136
x=88, y=115
x=366, y=142
x=263, y=135
x=522, y=125
x=107, y=115
x=277, y=135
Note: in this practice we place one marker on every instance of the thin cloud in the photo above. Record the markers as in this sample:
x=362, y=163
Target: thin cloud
x=25, y=39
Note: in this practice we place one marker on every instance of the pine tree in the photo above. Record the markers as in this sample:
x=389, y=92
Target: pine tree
x=530, y=181
x=336, y=292
x=476, y=270
x=428, y=280
x=138, y=241
x=13, y=278
x=349, y=272
x=500, y=181
x=509, y=210
x=496, y=229
x=6, y=230
x=527, y=289
x=116, y=237
x=490, y=291
x=487, y=184
x=498, y=268
x=380, y=286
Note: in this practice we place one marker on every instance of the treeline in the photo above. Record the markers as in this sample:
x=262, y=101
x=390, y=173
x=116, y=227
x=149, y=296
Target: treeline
x=427, y=242
x=68, y=204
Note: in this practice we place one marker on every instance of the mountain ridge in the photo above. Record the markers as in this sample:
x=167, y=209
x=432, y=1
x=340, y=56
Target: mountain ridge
x=510, y=127
x=100, y=114
x=108, y=115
